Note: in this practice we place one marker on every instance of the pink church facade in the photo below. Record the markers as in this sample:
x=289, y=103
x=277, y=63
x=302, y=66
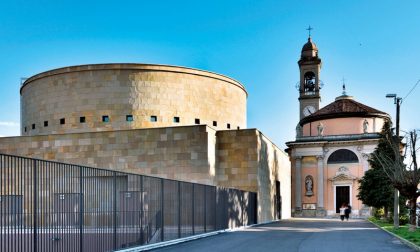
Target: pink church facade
x=332, y=146
x=343, y=126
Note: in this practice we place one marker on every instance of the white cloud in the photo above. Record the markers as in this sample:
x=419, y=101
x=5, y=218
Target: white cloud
x=9, y=124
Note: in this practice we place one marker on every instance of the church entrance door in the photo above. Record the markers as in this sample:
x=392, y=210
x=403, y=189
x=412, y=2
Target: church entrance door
x=342, y=195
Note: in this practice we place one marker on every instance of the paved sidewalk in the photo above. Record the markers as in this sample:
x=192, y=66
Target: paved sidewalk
x=300, y=235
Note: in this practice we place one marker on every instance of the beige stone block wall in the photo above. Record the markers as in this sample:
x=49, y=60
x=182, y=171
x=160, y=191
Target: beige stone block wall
x=180, y=153
x=118, y=90
x=237, y=159
x=242, y=159
x=248, y=160
x=274, y=165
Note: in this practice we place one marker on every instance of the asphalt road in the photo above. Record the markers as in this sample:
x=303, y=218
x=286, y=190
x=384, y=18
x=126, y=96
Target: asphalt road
x=299, y=235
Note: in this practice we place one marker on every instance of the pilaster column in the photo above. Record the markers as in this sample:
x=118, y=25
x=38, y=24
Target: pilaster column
x=365, y=162
x=320, y=194
x=298, y=183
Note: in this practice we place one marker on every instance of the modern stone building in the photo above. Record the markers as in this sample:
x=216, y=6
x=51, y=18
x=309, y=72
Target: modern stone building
x=105, y=97
x=165, y=121
x=332, y=145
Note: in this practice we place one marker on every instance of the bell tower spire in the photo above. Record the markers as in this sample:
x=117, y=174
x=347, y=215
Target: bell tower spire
x=309, y=85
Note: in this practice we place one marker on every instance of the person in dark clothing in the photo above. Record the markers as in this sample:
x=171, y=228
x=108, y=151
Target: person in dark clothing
x=347, y=212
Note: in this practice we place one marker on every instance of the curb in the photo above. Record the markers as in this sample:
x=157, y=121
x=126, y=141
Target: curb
x=406, y=242
x=190, y=238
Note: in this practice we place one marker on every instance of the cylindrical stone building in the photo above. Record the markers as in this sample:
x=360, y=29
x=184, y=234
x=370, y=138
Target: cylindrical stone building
x=105, y=97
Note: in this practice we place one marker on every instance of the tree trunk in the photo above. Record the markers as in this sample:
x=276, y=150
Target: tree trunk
x=412, y=204
x=386, y=213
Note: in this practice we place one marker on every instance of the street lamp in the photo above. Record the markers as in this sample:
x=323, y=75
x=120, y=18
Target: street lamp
x=397, y=101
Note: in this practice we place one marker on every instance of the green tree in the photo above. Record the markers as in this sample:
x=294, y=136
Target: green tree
x=375, y=188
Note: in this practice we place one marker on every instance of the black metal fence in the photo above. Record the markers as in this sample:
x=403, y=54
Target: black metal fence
x=51, y=206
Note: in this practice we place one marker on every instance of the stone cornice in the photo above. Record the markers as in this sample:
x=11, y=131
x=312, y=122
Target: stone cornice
x=334, y=140
x=133, y=66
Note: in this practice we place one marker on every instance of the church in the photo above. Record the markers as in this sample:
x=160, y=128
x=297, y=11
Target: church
x=332, y=146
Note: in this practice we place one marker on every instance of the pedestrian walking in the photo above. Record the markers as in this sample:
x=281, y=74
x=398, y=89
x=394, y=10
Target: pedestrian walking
x=342, y=211
x=347, y=212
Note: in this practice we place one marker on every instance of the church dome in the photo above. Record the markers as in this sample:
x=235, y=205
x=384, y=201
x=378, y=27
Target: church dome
x=344, y=116
x=309, y=46
x=344, y=106
x=309, y=50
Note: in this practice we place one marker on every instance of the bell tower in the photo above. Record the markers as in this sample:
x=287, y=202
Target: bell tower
x=309, y=85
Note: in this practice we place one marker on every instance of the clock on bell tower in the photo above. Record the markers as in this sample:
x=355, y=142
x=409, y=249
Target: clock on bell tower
x=309, y=84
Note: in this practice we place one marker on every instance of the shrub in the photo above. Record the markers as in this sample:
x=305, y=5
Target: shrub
x=378, y=213
x=404, y=219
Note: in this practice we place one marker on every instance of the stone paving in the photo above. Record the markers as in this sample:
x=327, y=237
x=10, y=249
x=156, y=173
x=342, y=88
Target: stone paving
x=300, y=235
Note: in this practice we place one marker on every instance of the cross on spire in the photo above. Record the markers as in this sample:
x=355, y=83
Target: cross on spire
x=309, y=30
x=344, y=86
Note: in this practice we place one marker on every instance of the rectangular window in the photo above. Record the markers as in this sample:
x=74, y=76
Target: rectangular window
x=197, y=121
x=105, y=118
x=214, y=123
x=238, y=128
x=228, y=125
x=82, y=119
x=62, y=121
x=176, y=119
x=153, y=118
x=33, y=126
x=129, y=118
x=26, y=129
x=45, y=123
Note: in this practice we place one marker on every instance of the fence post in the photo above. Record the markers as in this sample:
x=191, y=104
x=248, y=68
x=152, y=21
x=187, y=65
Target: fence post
x=161, y=205
x=225, y=207
x=193, y=210
x=35, y=206
x=115, y=210
x=242, y=207
x=215, y=208
x=1, y=188
x=179, y=209
x=81, y=208
x=141, y=210
x=205, y=209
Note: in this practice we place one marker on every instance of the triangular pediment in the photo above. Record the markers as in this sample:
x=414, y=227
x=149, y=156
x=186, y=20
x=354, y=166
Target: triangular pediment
x=342, y=176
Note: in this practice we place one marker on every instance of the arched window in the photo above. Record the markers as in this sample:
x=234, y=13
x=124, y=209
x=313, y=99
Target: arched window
x=342, y=156
x=310, y=82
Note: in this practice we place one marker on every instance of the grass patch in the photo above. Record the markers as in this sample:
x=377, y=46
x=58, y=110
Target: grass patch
x=403, y=232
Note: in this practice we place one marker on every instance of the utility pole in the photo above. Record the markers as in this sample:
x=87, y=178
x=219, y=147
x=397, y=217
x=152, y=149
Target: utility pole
x=397, y=101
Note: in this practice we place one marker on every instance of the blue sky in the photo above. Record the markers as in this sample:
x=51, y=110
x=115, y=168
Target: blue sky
x=374, y=45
